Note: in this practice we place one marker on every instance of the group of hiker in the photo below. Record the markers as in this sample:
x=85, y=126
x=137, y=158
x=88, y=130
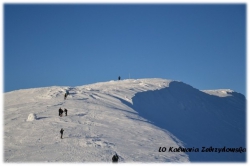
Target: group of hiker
x=115, y=158
x=65, y=110
x=61, y=112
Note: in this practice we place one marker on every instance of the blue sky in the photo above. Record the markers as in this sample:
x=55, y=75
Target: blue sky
x=78, y=44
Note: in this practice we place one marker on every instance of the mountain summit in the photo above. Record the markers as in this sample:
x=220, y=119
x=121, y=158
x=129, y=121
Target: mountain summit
x=141, y=120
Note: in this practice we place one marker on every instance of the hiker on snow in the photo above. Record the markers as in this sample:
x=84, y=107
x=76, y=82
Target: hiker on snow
x=61, y=131
x=65, y=96
x=65, y=110
x=115, y=158
x=119, y=78
x=60, y=112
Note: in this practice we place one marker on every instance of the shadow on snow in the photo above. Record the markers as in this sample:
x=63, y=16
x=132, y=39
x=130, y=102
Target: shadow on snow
x=197, y=119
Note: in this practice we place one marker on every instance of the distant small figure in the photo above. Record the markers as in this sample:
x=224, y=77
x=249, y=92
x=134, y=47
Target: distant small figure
x=67, y=92
x=115, y=158
x=65, y=96
x=60, y=112
x=61, y=131
x=119, y=78
x=66, y=111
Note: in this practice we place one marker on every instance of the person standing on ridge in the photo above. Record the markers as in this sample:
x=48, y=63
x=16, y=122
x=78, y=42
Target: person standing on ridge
x=61, y=131
x=119, y=78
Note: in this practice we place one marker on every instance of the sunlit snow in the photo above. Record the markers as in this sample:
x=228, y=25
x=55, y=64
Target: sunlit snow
x=132, y=118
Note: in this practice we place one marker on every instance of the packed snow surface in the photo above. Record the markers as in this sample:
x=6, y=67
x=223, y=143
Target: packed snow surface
x=132, y=118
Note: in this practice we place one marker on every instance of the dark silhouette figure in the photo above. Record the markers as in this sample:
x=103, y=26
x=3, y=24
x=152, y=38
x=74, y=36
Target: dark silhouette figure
x=115, y=158
x=66, y=111
x=65, y=96
x=119, y=78
x=60, y=112
x=61, y=131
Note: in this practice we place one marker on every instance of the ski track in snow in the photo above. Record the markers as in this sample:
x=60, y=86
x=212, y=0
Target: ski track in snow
x=102, y=120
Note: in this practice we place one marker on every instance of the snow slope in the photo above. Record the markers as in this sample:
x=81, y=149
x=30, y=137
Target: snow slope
x=132, y=118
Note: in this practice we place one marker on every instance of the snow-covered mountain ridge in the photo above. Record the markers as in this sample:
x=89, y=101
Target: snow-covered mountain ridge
x=132, y=118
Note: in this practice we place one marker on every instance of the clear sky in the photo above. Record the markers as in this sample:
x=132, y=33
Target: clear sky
x=78, y=44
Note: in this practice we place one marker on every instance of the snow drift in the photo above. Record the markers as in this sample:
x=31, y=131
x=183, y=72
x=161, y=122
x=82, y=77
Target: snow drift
x=132, y=118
